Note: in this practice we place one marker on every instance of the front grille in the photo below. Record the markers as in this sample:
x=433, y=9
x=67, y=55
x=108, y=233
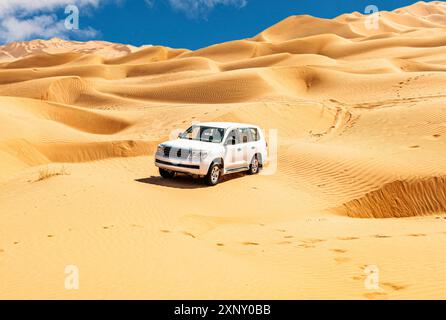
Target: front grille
x=176, y=153
x=187, y=166
x=167, y=151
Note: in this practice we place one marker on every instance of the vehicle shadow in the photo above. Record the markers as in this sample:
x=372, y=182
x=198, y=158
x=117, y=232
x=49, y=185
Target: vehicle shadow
x=179, y=182
x=184, y=181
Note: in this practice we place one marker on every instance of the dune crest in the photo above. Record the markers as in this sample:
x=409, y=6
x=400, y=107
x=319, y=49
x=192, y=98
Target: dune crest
x=18, y=50
x=400, y=199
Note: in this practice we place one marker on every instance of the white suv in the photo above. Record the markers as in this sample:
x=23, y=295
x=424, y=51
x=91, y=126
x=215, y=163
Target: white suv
x=213, y=149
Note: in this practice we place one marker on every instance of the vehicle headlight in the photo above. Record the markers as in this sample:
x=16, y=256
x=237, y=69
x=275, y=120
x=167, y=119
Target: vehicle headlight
x=196, y=154
x=160, y=149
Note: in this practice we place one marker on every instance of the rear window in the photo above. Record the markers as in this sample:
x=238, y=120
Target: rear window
x=245, y=136
x=254, y=134
x=249, y=135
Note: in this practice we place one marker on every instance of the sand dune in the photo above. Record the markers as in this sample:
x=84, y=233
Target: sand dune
x=360, y=115
x=18, y=50
x=147, y=55
x=401, y=199
x=304, y=26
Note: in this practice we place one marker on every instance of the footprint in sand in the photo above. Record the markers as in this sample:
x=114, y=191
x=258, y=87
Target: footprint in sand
x=338, y=250
x=347, y=238
x=284, y=242
x=415, y=147
x=310, y=243
x=50, y=236
x=165, y=231
x=417, y=235
x=306, y=246
x=220, y=244
x=189, y=234
x=342, y=259
x=376, y=295
x=393, y=286
x=248, y=243
x=381, y=236
x=313, y=241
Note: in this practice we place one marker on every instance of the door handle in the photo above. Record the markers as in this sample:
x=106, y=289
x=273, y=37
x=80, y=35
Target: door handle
x=253, y=148
x=239, y=149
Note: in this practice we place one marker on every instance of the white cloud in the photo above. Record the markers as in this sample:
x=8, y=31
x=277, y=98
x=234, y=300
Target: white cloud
x=28, y=19
x=194, y=8
x=25, y=7
x=42, y=26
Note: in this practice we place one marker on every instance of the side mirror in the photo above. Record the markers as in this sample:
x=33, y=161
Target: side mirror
x=180, y=135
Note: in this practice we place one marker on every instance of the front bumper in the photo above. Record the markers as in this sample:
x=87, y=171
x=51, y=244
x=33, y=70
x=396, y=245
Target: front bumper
x=180, y=165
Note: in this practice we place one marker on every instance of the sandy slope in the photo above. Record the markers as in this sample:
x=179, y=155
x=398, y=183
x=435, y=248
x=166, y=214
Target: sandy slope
x=18, y=50
x=361, y=121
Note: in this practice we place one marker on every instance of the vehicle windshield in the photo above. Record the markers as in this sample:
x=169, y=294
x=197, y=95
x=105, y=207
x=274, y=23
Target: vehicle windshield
x=204, y=134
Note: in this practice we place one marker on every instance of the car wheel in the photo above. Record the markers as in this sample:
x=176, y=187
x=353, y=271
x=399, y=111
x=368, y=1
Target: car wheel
x=254, y=167
x=166, y=174
x=213, y=176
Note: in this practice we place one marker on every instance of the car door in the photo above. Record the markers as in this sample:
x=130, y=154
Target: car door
x=250, y=144
x=234, y=151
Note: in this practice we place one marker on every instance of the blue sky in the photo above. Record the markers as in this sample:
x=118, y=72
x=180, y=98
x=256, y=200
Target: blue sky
x=175, y=23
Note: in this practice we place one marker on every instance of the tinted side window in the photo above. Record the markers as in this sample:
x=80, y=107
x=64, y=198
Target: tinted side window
x=233, y=138
x=245, y=135
x=254, y=134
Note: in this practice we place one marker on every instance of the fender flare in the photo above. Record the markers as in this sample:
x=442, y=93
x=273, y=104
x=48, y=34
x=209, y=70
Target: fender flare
x=218, y=161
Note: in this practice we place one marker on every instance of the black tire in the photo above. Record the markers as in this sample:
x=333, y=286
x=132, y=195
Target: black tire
x=255, y=165
x=213, y=176
x=166, y=174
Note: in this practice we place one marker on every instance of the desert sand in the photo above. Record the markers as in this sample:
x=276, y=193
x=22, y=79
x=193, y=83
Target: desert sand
x=360, y=116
